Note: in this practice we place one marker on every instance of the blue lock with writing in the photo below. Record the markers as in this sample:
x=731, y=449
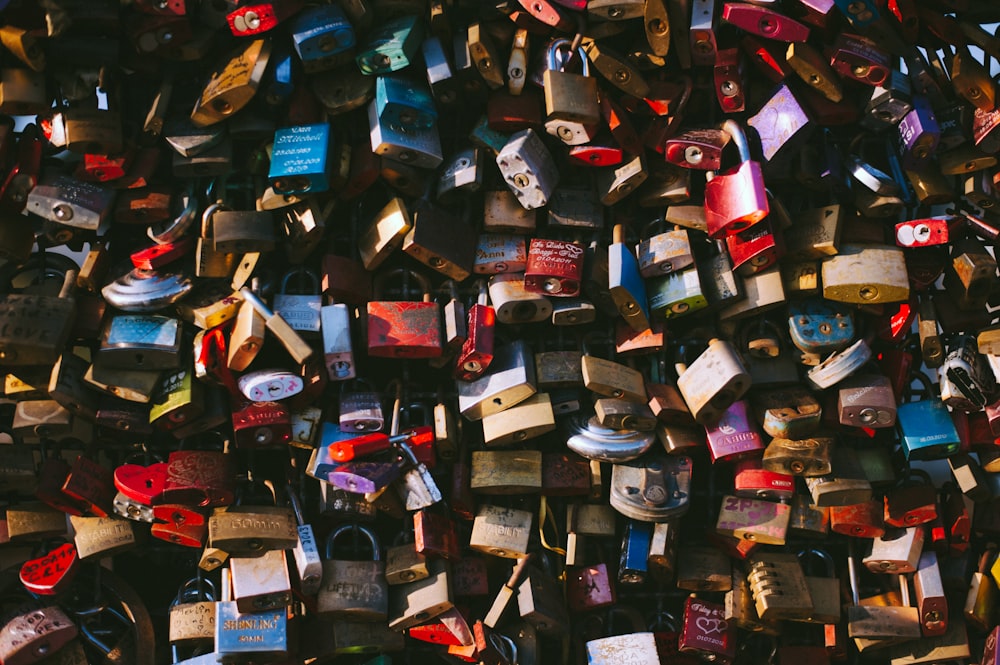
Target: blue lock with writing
x=300, y=159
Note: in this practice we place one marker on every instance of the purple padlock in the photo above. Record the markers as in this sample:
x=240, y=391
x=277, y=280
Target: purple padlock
x=919, y=134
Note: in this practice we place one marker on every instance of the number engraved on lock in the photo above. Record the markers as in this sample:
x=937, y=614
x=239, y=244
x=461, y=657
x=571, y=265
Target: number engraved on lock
x=106, y=533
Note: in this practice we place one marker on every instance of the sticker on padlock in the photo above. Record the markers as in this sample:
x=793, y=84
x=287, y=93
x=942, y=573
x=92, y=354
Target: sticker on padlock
x=270, y=385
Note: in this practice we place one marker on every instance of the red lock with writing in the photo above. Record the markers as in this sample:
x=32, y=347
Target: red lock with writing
x=554, y=268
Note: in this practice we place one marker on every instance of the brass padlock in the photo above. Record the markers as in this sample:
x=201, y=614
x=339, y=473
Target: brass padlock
x=416, y=602
x=571, y=101
x=192, y=614
x=233, y=84
x=502, y=532
x=253, y=530
x=33, y=633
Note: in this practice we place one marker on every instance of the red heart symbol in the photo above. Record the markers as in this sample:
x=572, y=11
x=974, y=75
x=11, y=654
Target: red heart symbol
x=142, y=484
x=48, y=574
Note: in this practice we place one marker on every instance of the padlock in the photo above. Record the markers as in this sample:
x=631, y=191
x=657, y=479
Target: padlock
x=192, y=614
x=51, y=573
x=638, y=644
x=539, y=600
x=320, y=36
x=752, y=519
x=34, y=632
x=306, y=553
x=727, y=382
x=506, y=471
x=878, y=621
x=571, y=104
x=400, y=329
x=239, y=635
x=501, y=531
x=360, y=408
x=97, y=537
x=824, y=591
x=778, y=586
x=589, y=439
x=626, y=284
x=355, y=590
x=231, y=86
x=931, y=602
x=705, y=631
x=860, y=520
x=734, y=200
x=252, y=530
x=897, y=550
x=912, y=502
x=440, y=241
x=302, y=312
x=415, y=602
x=528, y=169
x=261, y=583
x=928, y=431
x=589, y=585
x=654, y=489
x=499, y=253
x=734, y=435
x=301, y=160
x=801, y=457
x=820, y=327
x=792, y=413
x=419, y=148
x=866, y=401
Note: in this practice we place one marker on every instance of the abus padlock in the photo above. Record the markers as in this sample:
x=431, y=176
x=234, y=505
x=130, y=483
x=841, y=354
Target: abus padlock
x=866, y=401
x=735, y=199
x=572, y=110
x=302, y=312
x=301, y=159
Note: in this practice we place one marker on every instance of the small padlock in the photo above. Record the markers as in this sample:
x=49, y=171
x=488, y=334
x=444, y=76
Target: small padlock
x=261, y=583
x=360, y=407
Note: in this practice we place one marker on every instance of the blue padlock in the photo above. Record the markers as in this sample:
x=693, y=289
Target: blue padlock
x=633, y=565
x=859, y=13
x=927, y=431
x=820, y=326
x=322, y=463
x=300, y=159
x=244, y=635
x=281, y=80
x=404, y=103
x=320, y=34
x=391, y=47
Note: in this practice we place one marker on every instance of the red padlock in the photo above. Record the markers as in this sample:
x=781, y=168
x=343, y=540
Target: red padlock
x=764, y=22
x=404, y=329
x=261, y=424
x=50, y=573
x=756, y=249
x=729, y=85
x=375, y=442
x=256, y=18
x=199, y=478
x=92, y=484
x=697, y=149
x=909, y=503
x=435, y=535
x=862, y=520
x=477, y=351
x=752, y=480
x=554, y=268
x=735, y=199
x=142, y=484
x=589, y=587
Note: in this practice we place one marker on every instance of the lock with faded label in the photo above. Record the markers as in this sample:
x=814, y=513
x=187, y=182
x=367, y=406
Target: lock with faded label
x=761, y=521
x=897, y=550
x=400, y=329
x=528, y=169
x=713, y=382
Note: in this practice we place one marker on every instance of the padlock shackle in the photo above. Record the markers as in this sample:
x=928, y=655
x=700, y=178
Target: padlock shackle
x=824, y=556
x=293, y=499
x=368, y=533
x=565, y=44
x=300, y=270
x=738, y=137
x=380, y=280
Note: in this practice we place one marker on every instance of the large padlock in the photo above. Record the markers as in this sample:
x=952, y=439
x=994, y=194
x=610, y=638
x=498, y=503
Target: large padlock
x=354, y=590
x=34, y=632
x=301, y=311
x=401, y=329
x=253, y=530
x=735, y=199
x=572, y=110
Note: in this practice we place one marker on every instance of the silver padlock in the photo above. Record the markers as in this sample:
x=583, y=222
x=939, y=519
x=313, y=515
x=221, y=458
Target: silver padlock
x=301, y=311
x=528, y=169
